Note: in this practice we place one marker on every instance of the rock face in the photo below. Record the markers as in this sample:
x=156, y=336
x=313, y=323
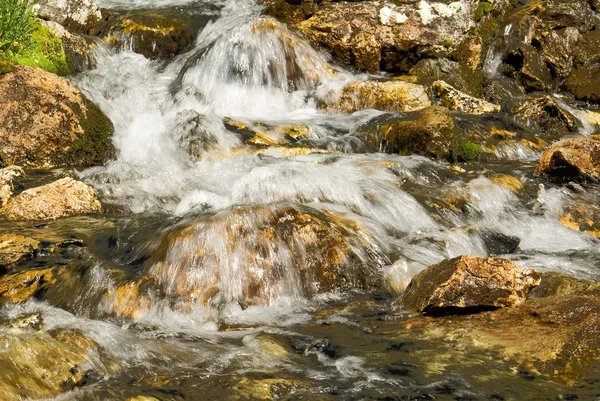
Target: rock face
x=466, y=284
x=454, y=99
x=65, y=197
x=429, y=132
x=79, y=15
x=573, y=159
x=375, y=36
x=47, y=122
x=14, y=249
x=385, y=96
x=152, y=34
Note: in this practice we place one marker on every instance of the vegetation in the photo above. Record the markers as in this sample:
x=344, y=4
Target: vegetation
x=16, y=24
x=483, y=9
x=46, y=52
x=466, y=152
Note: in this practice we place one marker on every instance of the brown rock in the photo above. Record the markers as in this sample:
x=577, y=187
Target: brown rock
x=545, y=117
x=14, y=249
x=584, y=83
x=78, y=49
x=6, y=186
x=65, y=197
x=47, y=122
x=582, y=217
x=572, y=159
x=18, y=287
x=454, y=99
x=386, y=96
x=468, y=283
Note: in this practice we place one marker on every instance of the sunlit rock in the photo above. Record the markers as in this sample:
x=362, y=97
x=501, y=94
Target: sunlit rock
x=251, y=389
x=47, y=122
x=465, y=284
x=7, y=175
x=572, y=159
x=78, y=49
x=78, y=15
x=582, y=217
x=393, y=95
x=545, y=117
x=18, y=287
x=507, y=181
x=454, y=99
x=65, y=197
x=15, y=248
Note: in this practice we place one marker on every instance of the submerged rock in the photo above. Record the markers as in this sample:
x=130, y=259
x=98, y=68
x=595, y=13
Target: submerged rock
x=14, y=249
x=65, y=197
x=466, y=284
x=454, y=99
x=572, y=159
x=545, y=117
x=47, y=122
x=386, y=96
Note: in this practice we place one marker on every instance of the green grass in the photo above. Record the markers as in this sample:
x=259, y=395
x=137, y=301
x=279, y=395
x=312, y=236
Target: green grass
x=16, y=24
x=46, y=52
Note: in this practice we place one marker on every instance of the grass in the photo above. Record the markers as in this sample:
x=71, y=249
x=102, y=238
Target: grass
x=17, y=19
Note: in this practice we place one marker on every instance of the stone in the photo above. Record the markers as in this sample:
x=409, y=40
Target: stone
x=454, y=99
x=429, y=132
x=582, y=217
x=584, y=83
x=65, y=197
x=453, y=73
x=47, y=122
x=531, y=70
x=572, y=159
x=386, y=96
x=20, y=286
x=14, y=249
x=468, y=284
x=544, y=117
x=78, y=49
x=6, y=178
x=156, y=35
x=562, y=285
x=82, y=16
x=498, y=243
x=558, y=49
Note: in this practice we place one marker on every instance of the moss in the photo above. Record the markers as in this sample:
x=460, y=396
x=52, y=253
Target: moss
x=6, y=66
x=465, y=152
x=448, y=43
x=46, y=53
x=483, y=8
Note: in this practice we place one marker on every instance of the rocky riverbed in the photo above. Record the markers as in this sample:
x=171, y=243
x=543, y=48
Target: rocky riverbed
x=303, y=200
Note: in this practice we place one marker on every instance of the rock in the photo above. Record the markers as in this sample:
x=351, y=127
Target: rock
x=82, y=16
x=429, y=132
x=19, y=287
x=428, y=71
x=48, y=122
x=291, y=12
x=560, y=284
x=156, y=35
x=558, y=48
x=582, y=217
x=572, y=159
x=35, y=365
x=384, y=36
x=500, y=244
x=78, y=49
x=545, y=117
x=507, y=181
x=468, y=284
x=65, y=197
x=14, y=249
x=264, y=135
x=249, y=389
x=454, y=99
x=584, y=83
x=531, y=70
x=386, y=96
x=6, y=186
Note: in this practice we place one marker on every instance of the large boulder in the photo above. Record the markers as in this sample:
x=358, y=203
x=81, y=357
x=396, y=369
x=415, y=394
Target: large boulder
x=466, y=284
x=385, y=36
x=584, y=83
x=572, y=159
x=47, y=122
x=394, y=95
x=65, y=197
x=82, y=16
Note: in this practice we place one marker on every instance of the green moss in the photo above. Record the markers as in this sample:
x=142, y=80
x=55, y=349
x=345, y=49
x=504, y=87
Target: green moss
x=448, y=43
x=466, y=151
x=6, y=66
x=483, y=8
x=47, y=52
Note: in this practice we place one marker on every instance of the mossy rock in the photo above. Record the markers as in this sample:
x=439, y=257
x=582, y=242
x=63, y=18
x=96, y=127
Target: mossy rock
x=483, y=9
x=465, y=152
x=47, y=52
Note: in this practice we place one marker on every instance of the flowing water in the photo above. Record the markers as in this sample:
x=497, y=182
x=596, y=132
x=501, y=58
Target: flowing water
x=228, y=272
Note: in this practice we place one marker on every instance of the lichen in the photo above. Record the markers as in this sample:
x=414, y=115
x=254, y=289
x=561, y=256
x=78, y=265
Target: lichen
x=46, y=53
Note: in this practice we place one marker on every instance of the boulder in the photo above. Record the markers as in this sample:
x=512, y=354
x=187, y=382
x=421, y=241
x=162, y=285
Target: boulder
x=584, y=217
x=47, y=122
x=156, y=35
x=572, y=159
x=584, y=83
x=427, y=71
x=468, y=284
x=19, y=287
x=429, y=132
x=82, y=16
x=77, y=48
x=6, y=186
x=65, y=197
x=14, y=249
x=386, y=96
x=454, y=99
x=544, y=117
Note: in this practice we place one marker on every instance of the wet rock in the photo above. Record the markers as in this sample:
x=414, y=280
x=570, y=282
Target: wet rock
x=560, y=284
x=131, y=299
x=500, y=244
x=78, y=15
x=454, y=99
x=78, y=49
x=545, y=117
x=260, y=134
x=47, y=122
x=507, y=181
x=65, y=197
x=14, y=249
x=531, y=70
x=428, y=71
x=6, y=186
x=386, y=96
x=582, y=217
x=584, y=83
x=259, y=389
x=19, y=287
x=156, y=35
x=291, y=11
x=429, y=132
x=572, y=159
x=33, y=321
x=558, y=49
x=384, y=36
x=35, y=365
x=468, y=284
